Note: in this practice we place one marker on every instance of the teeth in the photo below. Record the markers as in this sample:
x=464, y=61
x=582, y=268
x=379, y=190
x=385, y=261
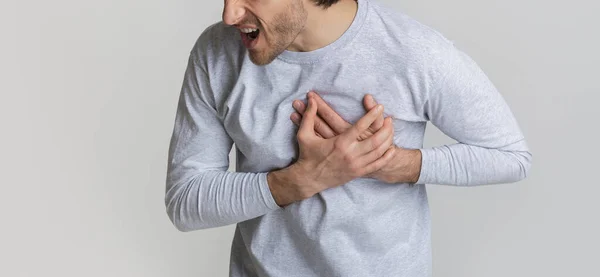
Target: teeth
x=248, y=30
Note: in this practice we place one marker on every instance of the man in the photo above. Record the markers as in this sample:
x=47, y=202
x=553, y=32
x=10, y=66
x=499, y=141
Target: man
x=344, y=194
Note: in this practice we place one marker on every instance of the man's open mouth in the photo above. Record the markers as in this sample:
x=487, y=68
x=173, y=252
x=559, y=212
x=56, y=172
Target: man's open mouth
x=252, y=34
x=250, y=37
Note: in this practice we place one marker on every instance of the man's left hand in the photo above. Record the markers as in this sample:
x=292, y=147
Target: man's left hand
x=406, y=164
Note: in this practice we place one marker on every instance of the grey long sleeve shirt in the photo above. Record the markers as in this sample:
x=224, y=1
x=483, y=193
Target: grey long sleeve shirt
x=365, y=227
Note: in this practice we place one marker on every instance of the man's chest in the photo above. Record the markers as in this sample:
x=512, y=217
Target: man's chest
x=256, y=111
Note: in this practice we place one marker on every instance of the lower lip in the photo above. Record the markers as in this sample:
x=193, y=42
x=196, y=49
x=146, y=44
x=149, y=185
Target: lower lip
x=249, y=43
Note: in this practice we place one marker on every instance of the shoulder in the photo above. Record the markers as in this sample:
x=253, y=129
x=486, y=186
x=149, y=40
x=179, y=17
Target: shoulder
x=400, y=25
x=217, y=42
x=418, y=46
x=407, y=36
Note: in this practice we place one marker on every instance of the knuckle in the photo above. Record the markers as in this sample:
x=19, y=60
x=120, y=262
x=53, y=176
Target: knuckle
x=318, y=124
x=301, y=138
x=340, y=146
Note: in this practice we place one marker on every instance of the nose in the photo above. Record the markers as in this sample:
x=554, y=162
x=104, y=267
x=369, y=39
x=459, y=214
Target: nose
x=233, y=12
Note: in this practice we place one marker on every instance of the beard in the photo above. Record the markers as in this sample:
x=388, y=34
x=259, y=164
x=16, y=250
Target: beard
x=286, y=27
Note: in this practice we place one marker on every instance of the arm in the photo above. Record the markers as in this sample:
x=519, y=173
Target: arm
x=200, y=192
x=465, y=105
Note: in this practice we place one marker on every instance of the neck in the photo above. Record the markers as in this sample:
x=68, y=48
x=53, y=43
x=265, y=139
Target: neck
x=324, y=26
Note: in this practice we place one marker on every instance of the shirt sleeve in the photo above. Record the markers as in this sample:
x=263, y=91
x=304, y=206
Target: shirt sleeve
x=467, y=107
x=200, y=192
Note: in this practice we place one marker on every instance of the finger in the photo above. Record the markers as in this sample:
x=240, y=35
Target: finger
x=379, y=151
x=382, y=138
x=299, y=106
x=307, y=125
x=321, y=126
x=323, y=129
x=363, y=123
x=296, y=118
x=330, y=116
x=381, y=162
x=369, y=103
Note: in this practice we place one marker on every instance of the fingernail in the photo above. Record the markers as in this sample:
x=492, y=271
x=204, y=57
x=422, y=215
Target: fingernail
x=296, y=104
x=379, y=108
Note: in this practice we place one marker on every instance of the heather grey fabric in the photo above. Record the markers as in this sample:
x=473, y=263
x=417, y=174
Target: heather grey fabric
x=365, y=227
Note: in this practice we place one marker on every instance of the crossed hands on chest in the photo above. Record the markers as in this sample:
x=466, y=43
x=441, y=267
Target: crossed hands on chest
x=333, y=152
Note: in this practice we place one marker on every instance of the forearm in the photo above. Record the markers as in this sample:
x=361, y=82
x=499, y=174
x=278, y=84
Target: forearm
x=467, y=165
x=291, y=184
x=218, y=198
x=404, y=168
x=279, y=183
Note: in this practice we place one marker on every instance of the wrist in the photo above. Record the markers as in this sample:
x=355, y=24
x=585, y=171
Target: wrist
x=407, y=165
x=284, y=184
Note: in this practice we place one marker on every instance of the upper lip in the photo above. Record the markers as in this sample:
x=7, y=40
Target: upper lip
x=247, y=27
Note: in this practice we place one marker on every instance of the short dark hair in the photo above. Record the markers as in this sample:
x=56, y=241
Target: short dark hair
x=325, y=3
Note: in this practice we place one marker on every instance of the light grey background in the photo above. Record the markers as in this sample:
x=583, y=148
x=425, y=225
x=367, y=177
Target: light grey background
x=88, y=97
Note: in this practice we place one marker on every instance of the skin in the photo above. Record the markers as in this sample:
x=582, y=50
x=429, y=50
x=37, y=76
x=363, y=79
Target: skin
x=332, y=151
x=406, y=164
x=325, y=163
x=294, y=25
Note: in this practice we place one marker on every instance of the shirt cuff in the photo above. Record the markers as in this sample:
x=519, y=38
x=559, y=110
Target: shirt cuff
x=426, y=167
x=267, y=196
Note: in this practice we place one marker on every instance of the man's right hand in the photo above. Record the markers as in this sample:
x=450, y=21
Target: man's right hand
x=327, y=163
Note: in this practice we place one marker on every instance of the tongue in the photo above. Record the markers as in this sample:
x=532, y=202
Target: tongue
x=253, y=35
x=248, y=41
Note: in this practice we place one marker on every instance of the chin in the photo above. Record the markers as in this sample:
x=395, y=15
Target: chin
x=259, y=61
x=261, y=58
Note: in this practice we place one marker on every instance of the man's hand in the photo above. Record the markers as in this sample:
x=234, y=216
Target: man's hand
x=329, y=124
x=325, y=163
x=406, y=165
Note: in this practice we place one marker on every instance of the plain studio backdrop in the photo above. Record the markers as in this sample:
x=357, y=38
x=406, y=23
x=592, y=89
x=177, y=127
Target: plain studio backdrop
x=88, y=97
